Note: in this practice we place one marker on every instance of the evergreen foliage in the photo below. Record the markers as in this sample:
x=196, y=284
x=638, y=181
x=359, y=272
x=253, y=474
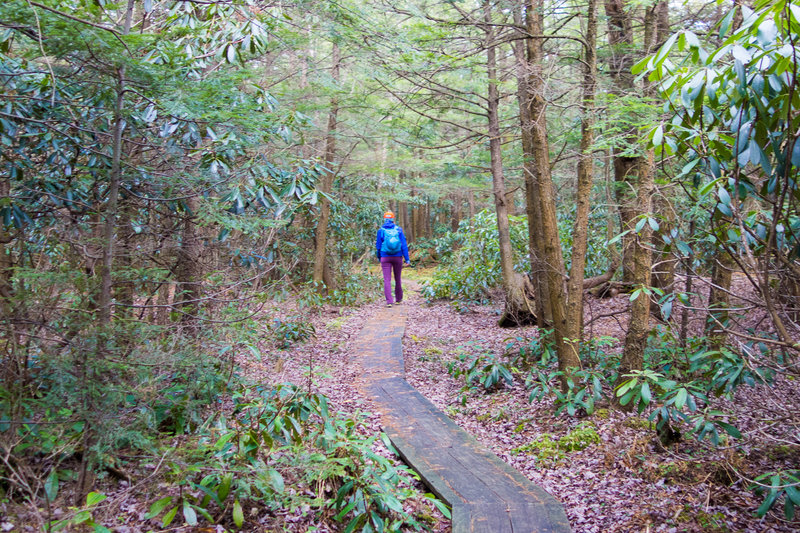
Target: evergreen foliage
x=470, y=259
x=161, y=181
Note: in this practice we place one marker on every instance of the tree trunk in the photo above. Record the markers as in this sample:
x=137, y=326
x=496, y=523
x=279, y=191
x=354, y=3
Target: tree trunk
x=455, y=217
x=719, y=298
x=518, y=309
x=688, y=289
x=427, y=219
x=402, y=215
x=544, y=317
x=620, y=38
x=663, y=260
x=639, y=325
x=580, y=231
x=553, y=260
x=104, y=303
x=6, y=261
x=124, y=290
x=633, y=175
x=321, y=241
x=189, y=270
x=419, y=226
x=510, y=204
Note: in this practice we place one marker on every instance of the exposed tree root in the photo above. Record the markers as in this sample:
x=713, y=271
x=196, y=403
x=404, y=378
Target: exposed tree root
x=520, y=308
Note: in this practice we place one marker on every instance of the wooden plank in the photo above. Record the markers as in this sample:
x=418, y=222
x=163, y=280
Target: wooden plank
x=485, y=493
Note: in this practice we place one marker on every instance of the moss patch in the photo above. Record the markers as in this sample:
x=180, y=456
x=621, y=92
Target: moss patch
x=548, y=449
x=603, y=414
x=635, y=422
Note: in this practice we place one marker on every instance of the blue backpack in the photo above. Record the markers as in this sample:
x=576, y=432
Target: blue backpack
x=391, y=241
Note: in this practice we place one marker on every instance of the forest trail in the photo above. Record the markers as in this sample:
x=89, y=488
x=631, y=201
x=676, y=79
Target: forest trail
x=485, y=494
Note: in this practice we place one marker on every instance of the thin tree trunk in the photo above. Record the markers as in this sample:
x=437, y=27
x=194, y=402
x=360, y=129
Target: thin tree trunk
x=419, y=226
x=664, y=261
x=321, y=241
x=6, y=262
x=427, y=219
x=402, y=214
x=552, y=257
x=109, y=226
x=455, y=217
x=189, y=269
x=124, y=291
x=580, y=231
x=84, y=370
x=518, y=310
x=544, y=317
x=719, y=298
x=689, y=270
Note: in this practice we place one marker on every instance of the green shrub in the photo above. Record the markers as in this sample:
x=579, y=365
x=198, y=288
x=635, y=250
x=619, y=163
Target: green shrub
x=776, y=486
x=291, y=330
x=279, y=434
x=357, y=288
x=470, y=258
x=352, y=289
x=484, y=369
x=585, y=386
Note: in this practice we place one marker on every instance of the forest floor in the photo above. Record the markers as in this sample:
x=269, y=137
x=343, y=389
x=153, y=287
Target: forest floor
x=624, y=482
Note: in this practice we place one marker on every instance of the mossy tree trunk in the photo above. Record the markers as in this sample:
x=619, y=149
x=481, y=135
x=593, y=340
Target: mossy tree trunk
x=543, y=315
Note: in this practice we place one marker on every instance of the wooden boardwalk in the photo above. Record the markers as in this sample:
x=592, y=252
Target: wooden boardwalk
x=485, y=494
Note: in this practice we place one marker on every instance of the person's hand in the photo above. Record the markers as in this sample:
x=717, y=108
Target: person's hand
x=407, y=263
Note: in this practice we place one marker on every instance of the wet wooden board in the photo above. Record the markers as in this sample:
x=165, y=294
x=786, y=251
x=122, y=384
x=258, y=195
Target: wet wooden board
x=485, y=494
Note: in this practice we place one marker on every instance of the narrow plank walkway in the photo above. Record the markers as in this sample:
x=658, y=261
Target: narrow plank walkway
x=485, y=494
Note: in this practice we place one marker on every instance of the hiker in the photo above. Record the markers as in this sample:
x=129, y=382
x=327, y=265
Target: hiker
x=391, y=248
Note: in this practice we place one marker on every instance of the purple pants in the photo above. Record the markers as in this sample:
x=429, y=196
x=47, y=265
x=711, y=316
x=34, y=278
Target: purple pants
x=388, y=264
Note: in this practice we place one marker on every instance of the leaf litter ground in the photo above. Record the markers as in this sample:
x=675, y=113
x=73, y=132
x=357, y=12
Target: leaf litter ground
x=627, y=481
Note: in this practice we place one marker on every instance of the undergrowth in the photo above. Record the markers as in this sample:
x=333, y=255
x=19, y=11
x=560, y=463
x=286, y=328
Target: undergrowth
x=675, y=393
x=470, y=258
x=282, y=450
x=218, y=449
x=549, y=450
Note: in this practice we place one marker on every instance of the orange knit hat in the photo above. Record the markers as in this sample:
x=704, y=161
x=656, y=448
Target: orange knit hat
x=388, y=214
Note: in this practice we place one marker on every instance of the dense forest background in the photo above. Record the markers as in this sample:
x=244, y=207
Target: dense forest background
x=174, y=171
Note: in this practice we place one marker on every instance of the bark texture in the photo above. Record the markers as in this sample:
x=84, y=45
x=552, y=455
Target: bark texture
x=552, y=259
x=620, y=39
x=189, y=269
x=719, y=298
x=639, y=325
x=518, y=309
x=537, y=277
x=580, y=231
x=326, y=185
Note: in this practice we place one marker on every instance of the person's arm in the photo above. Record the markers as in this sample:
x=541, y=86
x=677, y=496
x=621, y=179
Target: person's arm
x=404, y=245
x=378, y=243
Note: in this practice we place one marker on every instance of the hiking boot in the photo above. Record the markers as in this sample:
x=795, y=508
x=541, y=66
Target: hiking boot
x=388, y=305
x=398, y=302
